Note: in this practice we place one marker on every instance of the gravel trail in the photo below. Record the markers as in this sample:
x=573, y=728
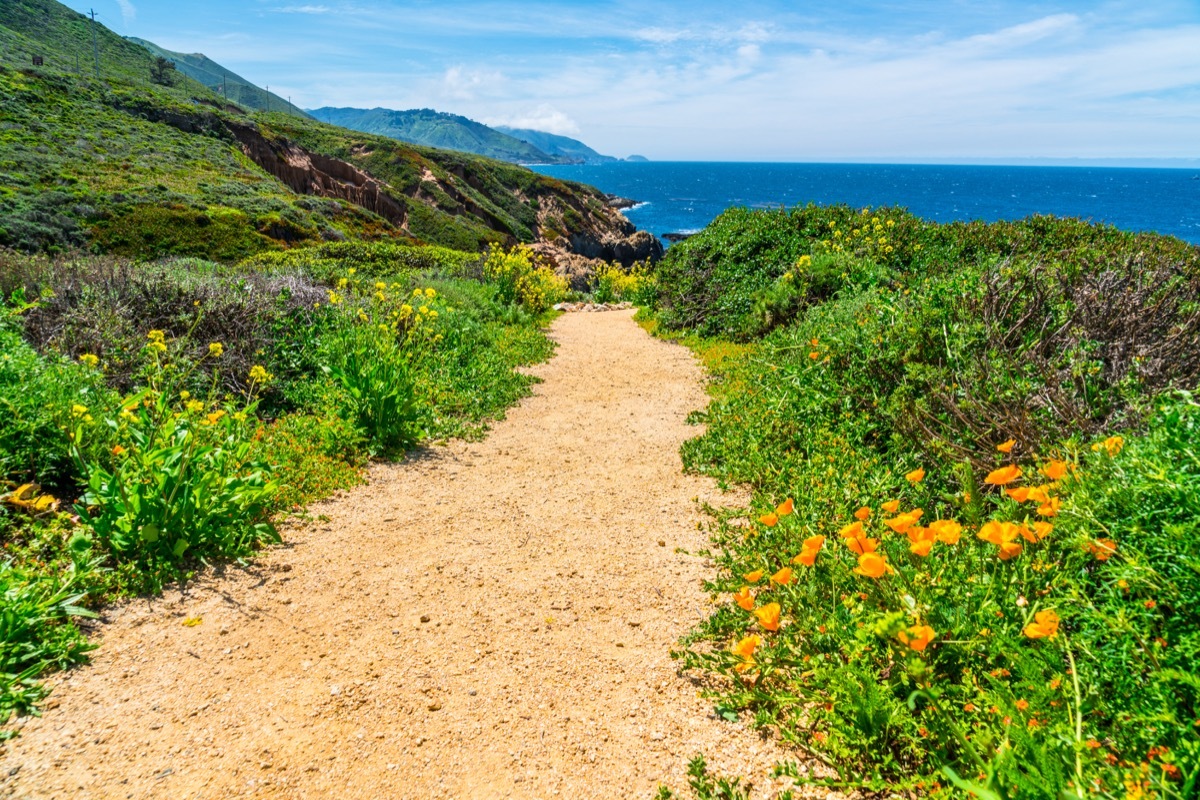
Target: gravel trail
x=484, y=620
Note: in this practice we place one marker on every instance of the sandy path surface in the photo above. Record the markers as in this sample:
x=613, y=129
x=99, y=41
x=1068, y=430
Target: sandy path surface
x=488, y=619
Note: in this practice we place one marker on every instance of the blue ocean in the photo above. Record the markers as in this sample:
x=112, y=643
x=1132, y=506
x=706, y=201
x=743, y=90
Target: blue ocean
x=683, y=197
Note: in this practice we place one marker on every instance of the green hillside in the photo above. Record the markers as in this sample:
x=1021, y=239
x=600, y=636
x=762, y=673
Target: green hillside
x=130, y=166
x=555, y=145
x=437, y=129
x=230, y=85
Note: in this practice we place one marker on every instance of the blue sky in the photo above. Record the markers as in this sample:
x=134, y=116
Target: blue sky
x=747, y=80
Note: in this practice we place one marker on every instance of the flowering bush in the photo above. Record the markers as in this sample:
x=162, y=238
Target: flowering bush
x=984, y=580
x=1035, y=636
x=634, y=285
x=179, y=480
x=518, y=280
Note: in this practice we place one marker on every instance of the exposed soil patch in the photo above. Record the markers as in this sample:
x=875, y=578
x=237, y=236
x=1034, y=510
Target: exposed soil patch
x=488, y=619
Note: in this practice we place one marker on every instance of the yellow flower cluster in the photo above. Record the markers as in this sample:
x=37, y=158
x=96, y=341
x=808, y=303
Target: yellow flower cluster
x=871, y=236
x=157, y=340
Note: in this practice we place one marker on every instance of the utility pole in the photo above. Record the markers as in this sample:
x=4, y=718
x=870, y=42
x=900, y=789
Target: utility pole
x=224, y=91
x=268, y=96
x=95, y=46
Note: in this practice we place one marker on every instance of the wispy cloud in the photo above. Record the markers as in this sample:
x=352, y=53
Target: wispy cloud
x=309, y=9
x=762, y=79
x=461, y=83
x=128, y=11
x=545, y=118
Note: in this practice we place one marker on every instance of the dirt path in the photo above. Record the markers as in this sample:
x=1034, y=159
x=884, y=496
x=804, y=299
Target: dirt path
x=486, y=620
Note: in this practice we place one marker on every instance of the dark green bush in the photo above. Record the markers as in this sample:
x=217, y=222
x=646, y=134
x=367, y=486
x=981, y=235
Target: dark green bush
x=37, y=396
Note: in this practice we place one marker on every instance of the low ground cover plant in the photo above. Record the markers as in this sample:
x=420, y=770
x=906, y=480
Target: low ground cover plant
x=162, y=416
x=970, y=564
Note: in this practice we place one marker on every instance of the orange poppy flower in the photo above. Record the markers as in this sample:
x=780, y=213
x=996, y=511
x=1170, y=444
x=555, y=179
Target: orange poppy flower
x=873, y=565
x=917, y=637
x=753, y=577
x=853, y=530
x=947, y=531
x=1038, y=494
x=991, y=531
x=1022, y=704
x=814, y=355
x=744, y=598
x=812, y=546
x=1027, y=534
x=901, y=523
x=863, y=514
x=1020, y=494
x=1050, y=507
x=1007, y=447
x=891, y=506
x=745, y=649
x=921, y=547
x=770, y=520
x=1044, y=625
x=1010, y=550
x=1042, y=529
x=1054, y=470
x=916, y=476
x=768, y=616
x=785, y=508
x=862, y=544
x=783, y=577
x=1102, y=549
x=1004, y=475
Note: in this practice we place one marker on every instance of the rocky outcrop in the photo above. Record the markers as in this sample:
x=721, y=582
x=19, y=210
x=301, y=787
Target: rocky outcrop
x=305, y=172
x=623, y=249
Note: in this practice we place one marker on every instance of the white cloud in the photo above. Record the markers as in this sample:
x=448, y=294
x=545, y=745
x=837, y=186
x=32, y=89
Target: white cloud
x=128, y=11
x=544, y=118
x=1024, y=34
x=303, y=9
x=461, y=83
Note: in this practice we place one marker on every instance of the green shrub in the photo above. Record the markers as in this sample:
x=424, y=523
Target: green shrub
x=37, y=395
x=372, y=370
x=153, y=231
x=35, y=634
x=316, y=454
x=709, y=282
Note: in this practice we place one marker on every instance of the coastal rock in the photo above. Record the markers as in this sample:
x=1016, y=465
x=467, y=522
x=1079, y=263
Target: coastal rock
x=624, y=249
x=618, y=202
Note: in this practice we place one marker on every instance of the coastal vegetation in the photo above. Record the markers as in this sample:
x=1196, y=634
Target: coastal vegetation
x=160, y=415
x=971, y=561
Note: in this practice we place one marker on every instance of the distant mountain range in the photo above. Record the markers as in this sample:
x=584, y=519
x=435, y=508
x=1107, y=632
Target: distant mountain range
x=555, y=145
x=232, y=86
x=453, y=132
x=421, y=126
